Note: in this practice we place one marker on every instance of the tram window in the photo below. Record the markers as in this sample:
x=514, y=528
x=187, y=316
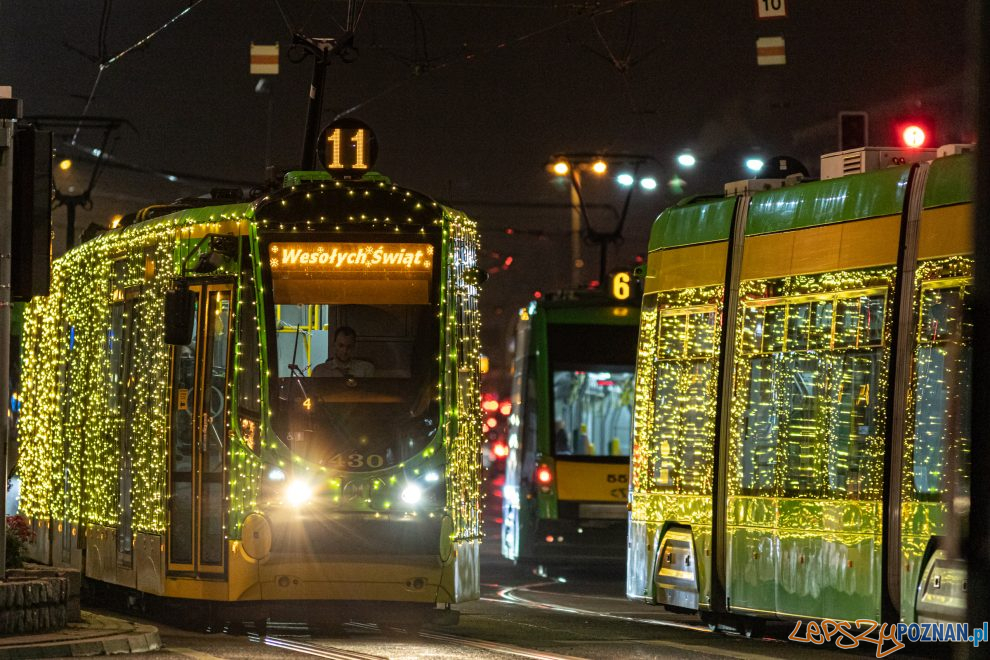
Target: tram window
x=801, y=442
x=670, y=340
x=942, y=312
x=854, y=451
x=943, y=368
x=798, y=326
x=701, y=334
x=683, y=426
x=774, y=324
x=249, y=376
x=592, y=370
x=758, y=453
x=821, y=325
x=752, y=339
x=592, y=412
x=363, y=397
x=812, y=403
x=859, y=321
x=683, y=411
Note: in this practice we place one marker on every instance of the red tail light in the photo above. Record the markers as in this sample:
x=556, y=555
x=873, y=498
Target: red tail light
x=544, y=477
x=500, y=449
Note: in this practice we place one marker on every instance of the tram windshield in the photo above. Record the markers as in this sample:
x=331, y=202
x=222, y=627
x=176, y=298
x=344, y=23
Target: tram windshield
x=592, y=367
x=356, y=335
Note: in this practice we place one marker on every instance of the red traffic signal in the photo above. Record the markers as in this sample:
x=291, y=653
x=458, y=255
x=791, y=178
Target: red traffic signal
x=914, y=133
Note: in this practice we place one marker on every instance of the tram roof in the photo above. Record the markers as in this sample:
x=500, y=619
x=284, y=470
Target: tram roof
x=309, y=202
x=585, y=307
x=335, y=202
x=853, y=197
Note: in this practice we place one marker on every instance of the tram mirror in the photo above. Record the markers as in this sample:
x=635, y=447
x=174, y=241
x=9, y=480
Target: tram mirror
x=475, y=276
x=220, y=249
x=179, y=307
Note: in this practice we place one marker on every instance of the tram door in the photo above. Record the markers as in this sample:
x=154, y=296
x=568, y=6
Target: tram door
x=197, y=448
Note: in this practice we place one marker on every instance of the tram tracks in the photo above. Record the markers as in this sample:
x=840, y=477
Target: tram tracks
x=321, y=650
x=509, y=595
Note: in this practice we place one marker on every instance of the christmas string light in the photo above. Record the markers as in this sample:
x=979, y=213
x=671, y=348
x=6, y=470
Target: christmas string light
x=96, y=370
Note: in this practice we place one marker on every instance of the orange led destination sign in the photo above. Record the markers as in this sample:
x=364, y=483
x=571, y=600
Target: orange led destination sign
x=352, y=257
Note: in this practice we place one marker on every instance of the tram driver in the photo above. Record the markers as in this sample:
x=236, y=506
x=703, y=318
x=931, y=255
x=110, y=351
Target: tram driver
x=341, y=364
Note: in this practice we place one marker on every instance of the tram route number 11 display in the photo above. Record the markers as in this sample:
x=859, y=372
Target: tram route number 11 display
x=348, y=147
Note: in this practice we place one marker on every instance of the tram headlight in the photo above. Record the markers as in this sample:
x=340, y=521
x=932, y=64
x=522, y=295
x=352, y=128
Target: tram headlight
x=298, y=493
x=412, y=494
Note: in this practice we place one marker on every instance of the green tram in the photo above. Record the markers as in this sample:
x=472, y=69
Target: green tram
x=570, y=432
x=801, y=411
x=193, y=429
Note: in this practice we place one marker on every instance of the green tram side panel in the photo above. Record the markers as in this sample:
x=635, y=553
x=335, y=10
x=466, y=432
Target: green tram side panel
x=83, y=303
x=817, y=203
x=692, y=223
x=950, y=181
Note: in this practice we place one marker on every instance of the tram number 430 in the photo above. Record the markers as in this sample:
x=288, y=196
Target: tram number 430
x=355, y=460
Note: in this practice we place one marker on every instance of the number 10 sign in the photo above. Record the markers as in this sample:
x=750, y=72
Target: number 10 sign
x=771, y=9
x=348, y=148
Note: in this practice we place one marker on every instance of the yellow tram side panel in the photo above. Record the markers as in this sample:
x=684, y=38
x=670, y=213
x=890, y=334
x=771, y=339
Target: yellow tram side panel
x=685, y=267
x=946, y=231
x=414, y=578
x=591, y=481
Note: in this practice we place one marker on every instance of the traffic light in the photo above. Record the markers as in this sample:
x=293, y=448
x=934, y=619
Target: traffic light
x=915, y=132
x=854, y=130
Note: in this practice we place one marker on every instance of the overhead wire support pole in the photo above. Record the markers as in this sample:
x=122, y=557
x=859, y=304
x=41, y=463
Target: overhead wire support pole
x=322, y=50
x=10, y=112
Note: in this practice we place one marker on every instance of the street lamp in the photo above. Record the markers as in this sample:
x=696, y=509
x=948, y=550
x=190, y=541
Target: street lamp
x=573, y=165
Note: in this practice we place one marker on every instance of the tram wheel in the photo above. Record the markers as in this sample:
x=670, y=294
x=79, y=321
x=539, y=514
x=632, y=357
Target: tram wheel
x=754, y=628
x=710, y=619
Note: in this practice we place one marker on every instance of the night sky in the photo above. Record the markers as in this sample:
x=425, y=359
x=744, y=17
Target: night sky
x=469, y=99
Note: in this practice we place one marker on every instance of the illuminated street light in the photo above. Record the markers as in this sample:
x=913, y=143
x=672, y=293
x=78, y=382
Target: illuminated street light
x=754, y=165
x=573, y=165
x=686, y=160
x=65, y=164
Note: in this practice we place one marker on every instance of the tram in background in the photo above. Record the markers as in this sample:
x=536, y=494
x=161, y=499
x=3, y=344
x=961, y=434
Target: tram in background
x=250, y=462
x=570, y=430
x=801, y=417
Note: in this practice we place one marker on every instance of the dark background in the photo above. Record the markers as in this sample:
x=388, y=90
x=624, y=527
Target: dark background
x=469, y=99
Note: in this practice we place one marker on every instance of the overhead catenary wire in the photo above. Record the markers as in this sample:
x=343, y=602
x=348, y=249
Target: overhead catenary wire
x=472, y=56
x=106, y=63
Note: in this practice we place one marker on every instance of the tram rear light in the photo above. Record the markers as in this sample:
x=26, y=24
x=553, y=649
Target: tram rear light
x=544, y=477
x=500, y=449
